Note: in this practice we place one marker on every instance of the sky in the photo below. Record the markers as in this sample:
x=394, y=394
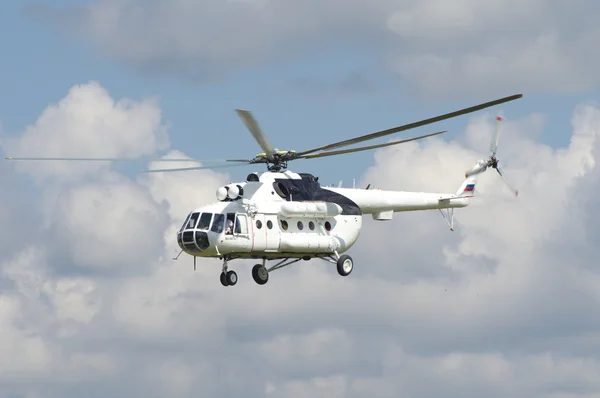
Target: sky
x=91, y=302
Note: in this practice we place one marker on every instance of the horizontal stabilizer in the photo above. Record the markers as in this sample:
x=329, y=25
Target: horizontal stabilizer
x=449, y=198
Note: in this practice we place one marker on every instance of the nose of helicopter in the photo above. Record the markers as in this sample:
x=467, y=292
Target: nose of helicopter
x=193, y=241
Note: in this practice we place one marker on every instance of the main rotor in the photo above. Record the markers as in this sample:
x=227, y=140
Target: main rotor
x=277, y=160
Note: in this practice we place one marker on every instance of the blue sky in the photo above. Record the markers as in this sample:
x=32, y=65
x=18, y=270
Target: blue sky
x=91, y=302
x=42, y=63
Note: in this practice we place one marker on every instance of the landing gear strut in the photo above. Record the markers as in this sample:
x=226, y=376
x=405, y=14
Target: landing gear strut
x=260, y=272
x=344, y=263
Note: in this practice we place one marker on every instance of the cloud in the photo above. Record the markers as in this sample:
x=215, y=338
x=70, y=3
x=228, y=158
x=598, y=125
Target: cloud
x=426, y=311
x=87, y=122
x=114, y=224
x=475, y=48
x=437, y=48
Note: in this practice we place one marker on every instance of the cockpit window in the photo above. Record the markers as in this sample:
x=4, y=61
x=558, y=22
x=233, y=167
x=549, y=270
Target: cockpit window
x=185, y=222
x=205, y=220
x=218, y=223
x=192, y=221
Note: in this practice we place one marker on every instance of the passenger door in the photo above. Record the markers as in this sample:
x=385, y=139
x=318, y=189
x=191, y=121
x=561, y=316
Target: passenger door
x=259, y=234
x=272, y=233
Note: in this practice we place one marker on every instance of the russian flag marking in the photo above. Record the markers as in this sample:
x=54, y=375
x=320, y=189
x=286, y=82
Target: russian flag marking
x=469, y=187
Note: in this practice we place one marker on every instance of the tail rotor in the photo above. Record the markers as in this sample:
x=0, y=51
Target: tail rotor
x=492, y=161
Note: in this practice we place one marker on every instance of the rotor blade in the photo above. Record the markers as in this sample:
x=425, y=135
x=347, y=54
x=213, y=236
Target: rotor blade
x=412, y=125
x=193, y=168
x=515, y=191
x=364, y=148
x=257, y=133
x=76, y=159
x=197, y=160
x=123, y=159
x=496, y=136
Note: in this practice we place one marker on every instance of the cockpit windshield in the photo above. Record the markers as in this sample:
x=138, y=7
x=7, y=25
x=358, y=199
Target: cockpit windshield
x=216, y=223
x=185, y=222
x=205, y=220
x=190, y=221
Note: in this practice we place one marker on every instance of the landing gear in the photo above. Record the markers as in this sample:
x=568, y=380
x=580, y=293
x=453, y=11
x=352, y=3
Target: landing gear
x=260, y=274
x=345, y=265
x=228, y=278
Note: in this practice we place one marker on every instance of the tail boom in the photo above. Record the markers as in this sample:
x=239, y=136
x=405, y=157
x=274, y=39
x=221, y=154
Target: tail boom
x=383, y=204
x=376, y=201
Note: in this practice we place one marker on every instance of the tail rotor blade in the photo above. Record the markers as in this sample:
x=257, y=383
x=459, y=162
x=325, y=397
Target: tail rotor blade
x=515, y=191
x=496, y=136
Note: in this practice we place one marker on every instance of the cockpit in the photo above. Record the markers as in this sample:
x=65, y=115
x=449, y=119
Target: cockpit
x=199, y=229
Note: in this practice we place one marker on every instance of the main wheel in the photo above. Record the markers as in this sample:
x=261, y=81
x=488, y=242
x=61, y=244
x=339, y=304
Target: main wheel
x=260, y=274
x=345, y=265
x=224, y=281
x=231, y=278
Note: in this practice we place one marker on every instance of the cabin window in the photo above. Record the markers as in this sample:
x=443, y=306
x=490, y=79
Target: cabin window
x=258, y=224
x=192, y=221
x=205, y=220
x=241, y=224
x=311, y=225
x=218, y=223
x=284, y=225
x=300, y=225
x=327, y=225
x=269, y=224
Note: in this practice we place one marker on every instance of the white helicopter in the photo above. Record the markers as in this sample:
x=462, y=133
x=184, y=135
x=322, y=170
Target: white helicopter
x=283, y=216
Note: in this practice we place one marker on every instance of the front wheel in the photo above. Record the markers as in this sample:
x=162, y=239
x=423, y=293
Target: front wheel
x=224, y=281
x=231, y=278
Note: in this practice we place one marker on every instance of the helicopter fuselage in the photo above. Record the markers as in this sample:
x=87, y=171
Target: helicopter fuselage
x=288, y=215
x=272, y=215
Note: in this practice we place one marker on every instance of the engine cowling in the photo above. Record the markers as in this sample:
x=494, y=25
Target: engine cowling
x=480, y=167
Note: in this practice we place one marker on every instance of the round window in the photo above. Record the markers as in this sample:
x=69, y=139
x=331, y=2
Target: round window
x=258, y=224
x=300, y=225
x=284, y=225
x=327, y=225
x=269, y=224
x=311, y=225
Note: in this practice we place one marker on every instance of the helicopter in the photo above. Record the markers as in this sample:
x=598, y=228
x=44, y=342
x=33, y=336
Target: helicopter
x=283, y=216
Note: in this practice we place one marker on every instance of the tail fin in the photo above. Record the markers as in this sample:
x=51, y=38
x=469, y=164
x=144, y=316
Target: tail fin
x=465, y=192
x=467, y=188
